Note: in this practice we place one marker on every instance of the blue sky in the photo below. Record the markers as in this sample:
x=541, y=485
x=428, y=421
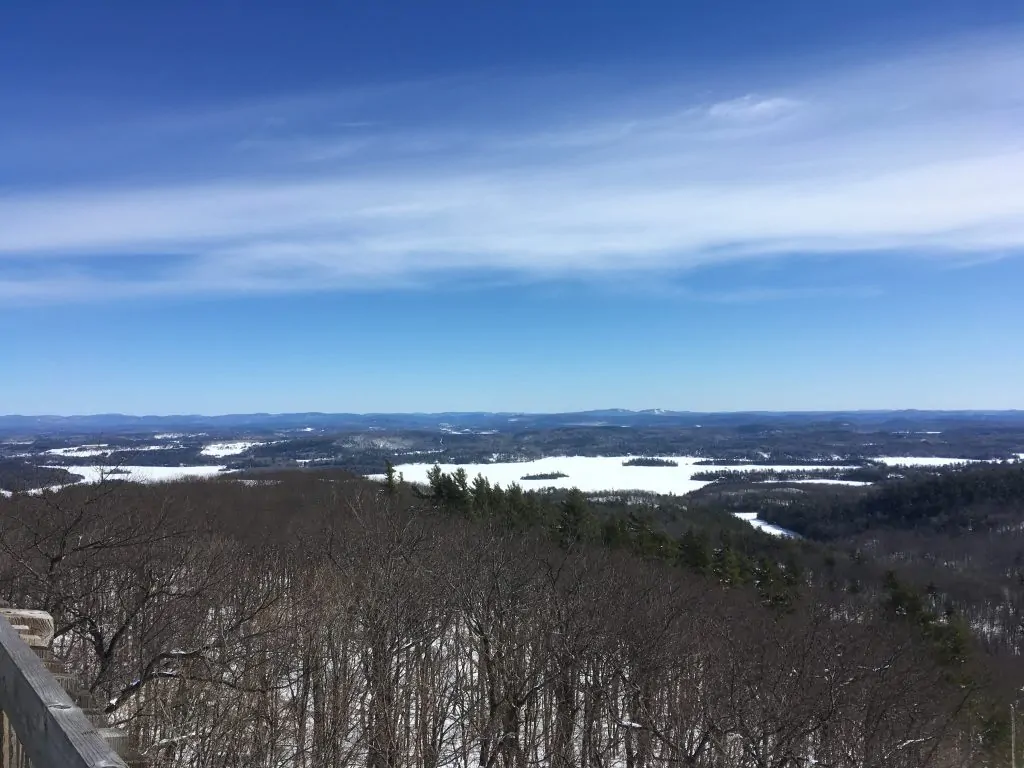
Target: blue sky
x=533, y=206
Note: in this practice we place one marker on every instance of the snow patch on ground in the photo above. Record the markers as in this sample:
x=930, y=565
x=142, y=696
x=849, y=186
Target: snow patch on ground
x=220, y=450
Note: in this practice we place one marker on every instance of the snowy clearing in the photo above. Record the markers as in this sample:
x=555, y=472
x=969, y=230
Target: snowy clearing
x=596, y=473
x=220, y=450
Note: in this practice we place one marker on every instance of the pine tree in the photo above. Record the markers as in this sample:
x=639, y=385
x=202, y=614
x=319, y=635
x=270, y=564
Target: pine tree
x=574, y=520
x=726, y=566
x=481, y=495
x=695, y=551
x=390, y=481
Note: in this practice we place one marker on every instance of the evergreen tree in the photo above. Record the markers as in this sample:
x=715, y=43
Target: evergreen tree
x=482, y=498
x=574, y=520
x=695, y=551
x=614, y=533
x=390, y=480
x=726, y=566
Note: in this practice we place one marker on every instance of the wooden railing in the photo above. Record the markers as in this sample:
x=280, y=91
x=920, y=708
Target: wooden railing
x=42, y=724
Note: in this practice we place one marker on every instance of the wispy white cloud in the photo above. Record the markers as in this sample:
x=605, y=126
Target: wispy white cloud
x=750, y=107
x=921, y=152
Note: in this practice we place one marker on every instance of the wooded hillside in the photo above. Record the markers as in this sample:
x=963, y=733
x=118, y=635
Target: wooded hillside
x=305, y=619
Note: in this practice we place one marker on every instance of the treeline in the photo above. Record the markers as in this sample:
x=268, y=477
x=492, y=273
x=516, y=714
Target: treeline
x=871, y=473
x=318, y=620
x=958, y=534
x=18, y=475
x=702, y=541
x=982, y=497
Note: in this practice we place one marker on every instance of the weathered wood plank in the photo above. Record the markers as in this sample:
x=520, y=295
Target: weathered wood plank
x=53, y=732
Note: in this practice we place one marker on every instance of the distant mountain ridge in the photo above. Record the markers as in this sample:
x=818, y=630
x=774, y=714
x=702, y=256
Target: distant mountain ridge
x=506, y=420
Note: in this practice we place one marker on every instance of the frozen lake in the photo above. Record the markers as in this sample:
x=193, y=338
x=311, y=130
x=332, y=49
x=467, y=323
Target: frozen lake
x=220, y=450
x=607, y=473
x=595, y=473
x=93, y=474
x=761, y=525
x=96, y=473
x=920, y=461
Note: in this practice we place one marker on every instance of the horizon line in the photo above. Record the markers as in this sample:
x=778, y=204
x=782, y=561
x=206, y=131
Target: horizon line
x=647, y=411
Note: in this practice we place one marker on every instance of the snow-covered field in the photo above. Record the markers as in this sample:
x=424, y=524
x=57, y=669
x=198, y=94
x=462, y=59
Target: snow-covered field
x=228, y=449
x=595, y=473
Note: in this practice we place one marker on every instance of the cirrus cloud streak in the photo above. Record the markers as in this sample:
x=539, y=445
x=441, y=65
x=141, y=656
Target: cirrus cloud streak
x=923, y=153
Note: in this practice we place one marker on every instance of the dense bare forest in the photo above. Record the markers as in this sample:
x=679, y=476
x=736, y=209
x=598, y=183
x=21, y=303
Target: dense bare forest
x=319, y=620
